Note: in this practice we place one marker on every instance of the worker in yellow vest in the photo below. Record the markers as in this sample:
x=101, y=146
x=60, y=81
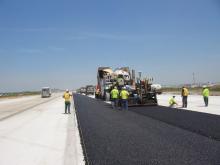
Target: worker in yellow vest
x=184, y=94
x=67, y=97
x=205, y=94
x=172, y=102
x=124, y=98
x=114, y=97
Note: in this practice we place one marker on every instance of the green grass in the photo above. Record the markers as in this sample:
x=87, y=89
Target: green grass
x=216, y=88
x=19, y=94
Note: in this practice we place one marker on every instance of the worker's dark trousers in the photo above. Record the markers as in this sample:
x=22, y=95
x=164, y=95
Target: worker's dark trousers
x=114, y=103
x=184, y=101
x=206, y=100
x=124, y=104
x=67, y=106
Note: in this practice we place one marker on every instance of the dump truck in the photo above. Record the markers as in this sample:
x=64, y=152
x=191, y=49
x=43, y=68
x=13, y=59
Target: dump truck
x=104, y=83
x=139, y=88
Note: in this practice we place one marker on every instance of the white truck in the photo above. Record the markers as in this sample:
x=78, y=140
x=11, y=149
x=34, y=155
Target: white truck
x=45, y=92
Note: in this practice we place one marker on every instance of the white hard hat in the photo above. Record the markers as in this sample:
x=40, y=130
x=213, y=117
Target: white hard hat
x=67, y=90
x=123, y=87
x=204, y=86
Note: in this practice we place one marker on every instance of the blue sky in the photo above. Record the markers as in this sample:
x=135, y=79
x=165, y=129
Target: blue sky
x=60, y=43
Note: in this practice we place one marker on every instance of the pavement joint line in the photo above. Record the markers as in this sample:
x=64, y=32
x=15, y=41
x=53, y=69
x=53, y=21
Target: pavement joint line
x=86, y=158
x=70, y=152
x=23, y=110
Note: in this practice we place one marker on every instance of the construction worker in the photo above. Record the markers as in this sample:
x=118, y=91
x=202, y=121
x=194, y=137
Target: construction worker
x=184, y=94
x=114, y=97
x=205, y=94
x=67, y=98
x=124, y=98
x=120, y=82
x=97, y=93
x=172, y=101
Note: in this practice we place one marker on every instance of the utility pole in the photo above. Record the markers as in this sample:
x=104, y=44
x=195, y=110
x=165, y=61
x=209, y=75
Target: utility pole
x=194, y=80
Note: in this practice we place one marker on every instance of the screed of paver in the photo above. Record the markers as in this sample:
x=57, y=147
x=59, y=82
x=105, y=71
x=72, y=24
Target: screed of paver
x=39, y=136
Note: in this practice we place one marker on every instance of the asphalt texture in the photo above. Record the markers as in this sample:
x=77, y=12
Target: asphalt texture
x=146, y=135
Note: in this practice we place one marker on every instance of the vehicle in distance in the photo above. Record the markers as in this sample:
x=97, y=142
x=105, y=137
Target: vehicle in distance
x=45, y=92
x=90, y=90
x=83, y=90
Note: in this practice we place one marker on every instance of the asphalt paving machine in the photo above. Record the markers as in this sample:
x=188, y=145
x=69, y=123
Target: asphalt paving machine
x=139, y=88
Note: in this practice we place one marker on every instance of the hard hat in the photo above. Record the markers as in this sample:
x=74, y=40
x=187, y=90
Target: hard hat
x=204, y=86
x=123, y=87
x=67, y=90
x=174, y=96
x=115, y=87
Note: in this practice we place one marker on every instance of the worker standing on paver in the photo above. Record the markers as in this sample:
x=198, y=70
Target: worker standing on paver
x=67, y=97
x=114, y=97
x=184, y=94
x=172, y=102
x=124, y=98
x=205, y=94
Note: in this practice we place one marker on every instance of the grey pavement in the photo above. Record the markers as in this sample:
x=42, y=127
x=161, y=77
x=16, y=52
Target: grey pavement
x=41, y=135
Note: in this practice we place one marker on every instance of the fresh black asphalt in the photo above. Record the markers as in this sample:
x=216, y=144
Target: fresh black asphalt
x=146, y=135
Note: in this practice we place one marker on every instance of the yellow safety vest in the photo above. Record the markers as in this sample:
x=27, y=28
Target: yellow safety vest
x=185, y=92
x=67, y=97
x=124, y=94
x=114, y=94
x=172, y=101
x=205, y=92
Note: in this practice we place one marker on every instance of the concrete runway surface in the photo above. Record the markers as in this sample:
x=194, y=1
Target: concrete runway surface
x=34, y=131
x=146, y=135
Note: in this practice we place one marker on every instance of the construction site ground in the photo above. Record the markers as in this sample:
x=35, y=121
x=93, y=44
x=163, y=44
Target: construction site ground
x=35, y=131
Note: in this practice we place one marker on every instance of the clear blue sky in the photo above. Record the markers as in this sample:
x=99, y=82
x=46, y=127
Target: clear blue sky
x=60, y=43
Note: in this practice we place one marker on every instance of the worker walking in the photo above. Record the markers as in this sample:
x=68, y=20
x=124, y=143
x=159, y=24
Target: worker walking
x=67, y=98
x=114, y=97
x=124, y=98
x=172, y=102
x=184, y=94
x=205, y=94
